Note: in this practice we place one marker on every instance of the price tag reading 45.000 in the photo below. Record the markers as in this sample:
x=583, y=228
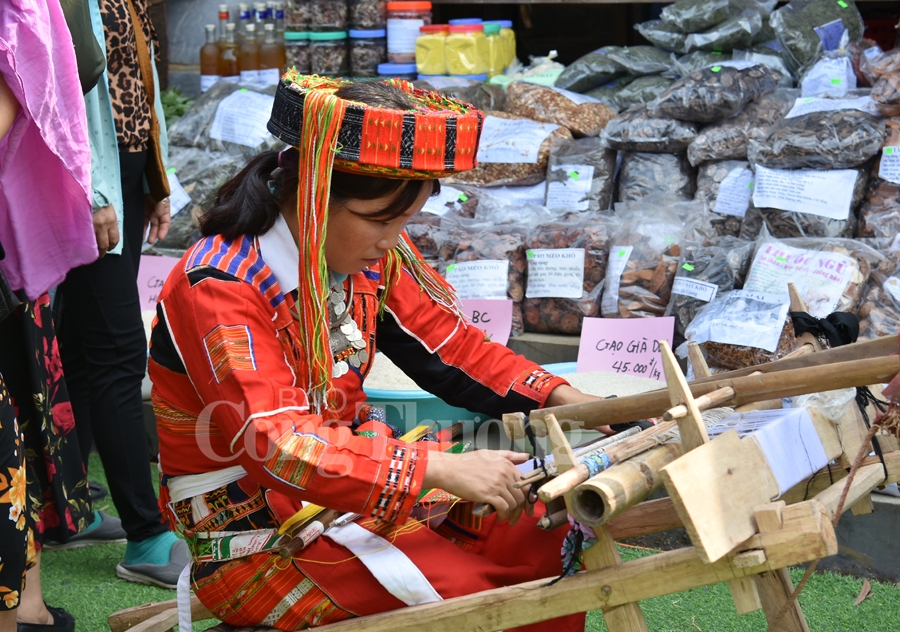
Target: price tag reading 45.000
x=624, y=345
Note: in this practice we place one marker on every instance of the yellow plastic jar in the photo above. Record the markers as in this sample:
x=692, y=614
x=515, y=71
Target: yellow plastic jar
x=466, y=50
x=509, y=40
x=430, y=47
x=496, y=50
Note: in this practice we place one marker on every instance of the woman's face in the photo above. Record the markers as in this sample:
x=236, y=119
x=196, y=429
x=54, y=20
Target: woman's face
x=357, y=238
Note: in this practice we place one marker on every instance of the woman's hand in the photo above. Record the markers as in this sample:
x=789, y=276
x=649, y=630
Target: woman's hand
x=483, y=476
x=158, y=216
x=564, y=394
x=106, y=229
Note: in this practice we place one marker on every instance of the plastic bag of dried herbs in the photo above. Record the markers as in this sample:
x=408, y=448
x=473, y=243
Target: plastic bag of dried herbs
x=879, y=311
x=873, y=65
x=589, y=71
x=566, y=267
x=728, y=139
x=829, y=76
x=580, y=175
x=643, y=257
x=642, y=90
x=643, y=60
x=693, y=16
x=714, y=93
x=828, y=139
x=428, y=238
x=686, y=64
x=636, y=129
x=512, y=151
x=581, y=114
x=807, y=27
x=662, y=35
x=724, y=188
x=886, y=94
x=500, y=247
x=704, y=271
x=879, y=215
x=771, y=59
x=484, y=96
x=736, y=32
x=783, y=223
x=643, y=173
x=743, y=328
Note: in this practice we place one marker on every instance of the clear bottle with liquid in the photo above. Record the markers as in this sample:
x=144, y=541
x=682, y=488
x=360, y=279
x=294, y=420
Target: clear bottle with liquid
x=229, y=70
x=272, y=58
x=248, y=57
x=209, y=59
x=244, y=18
x=260, y=15
x=224, y=18
x=276, y=10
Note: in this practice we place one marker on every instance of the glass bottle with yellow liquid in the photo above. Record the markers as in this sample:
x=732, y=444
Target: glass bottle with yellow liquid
x=228, y=56
x=272, y=58
x=209, y=59
x=248, y=57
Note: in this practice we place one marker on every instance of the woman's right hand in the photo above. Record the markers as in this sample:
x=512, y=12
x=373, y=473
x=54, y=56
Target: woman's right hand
x=482, y=476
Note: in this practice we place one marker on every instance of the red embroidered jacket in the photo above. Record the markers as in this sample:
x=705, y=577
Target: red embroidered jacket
x=223, y=364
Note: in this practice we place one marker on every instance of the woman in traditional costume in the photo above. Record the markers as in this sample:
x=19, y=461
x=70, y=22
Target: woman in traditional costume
x=265, y=332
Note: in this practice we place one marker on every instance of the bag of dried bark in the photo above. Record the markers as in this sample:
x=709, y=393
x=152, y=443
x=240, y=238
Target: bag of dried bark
x=831, y=214
x=873, y=64
x=581, y=114
x=830, y=274
x=743, y=328
x=580, y=175
x=484, y=96
x=512, y=151
x=728, y=139
x=736, y=32
x=662, y=35
x=879, y=215
x=589, y=71
x=724, y=189
x=705, y=271
x=643, y=256
x=807, y=27
x=694, y=16
x=643, y=60
x=770, y=59
x=642, y=174
x=820, y=133
x=642, y=90
x=715, y=93
x=636, y=129
x=886, y=94
x=566, y=267
x=686, y=64
x=879, y=312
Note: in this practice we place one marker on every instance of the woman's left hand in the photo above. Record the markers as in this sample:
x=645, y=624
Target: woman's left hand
x=158, y=216
x=564, y=394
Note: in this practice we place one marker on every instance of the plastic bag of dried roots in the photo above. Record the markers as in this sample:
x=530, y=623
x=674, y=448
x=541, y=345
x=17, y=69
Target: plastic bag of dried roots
x=580, y=175
x=642, y=174
x=636, y=129
x=589, y=71
x=725, y=188
x=879, y=312
x=582, y=115
x=807, y=27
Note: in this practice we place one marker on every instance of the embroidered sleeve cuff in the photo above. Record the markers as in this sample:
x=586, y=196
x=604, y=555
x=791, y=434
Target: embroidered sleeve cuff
x=399, y=482
x=536, y=383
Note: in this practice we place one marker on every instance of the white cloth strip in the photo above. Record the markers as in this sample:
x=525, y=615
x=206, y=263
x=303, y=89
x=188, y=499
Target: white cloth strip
x=190, y=485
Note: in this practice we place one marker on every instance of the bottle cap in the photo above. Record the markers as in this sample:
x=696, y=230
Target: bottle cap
x=409, y=6
x=329, y=35
x=368, y=33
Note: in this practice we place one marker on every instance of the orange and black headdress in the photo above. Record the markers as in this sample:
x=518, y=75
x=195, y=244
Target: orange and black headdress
x=439, y=136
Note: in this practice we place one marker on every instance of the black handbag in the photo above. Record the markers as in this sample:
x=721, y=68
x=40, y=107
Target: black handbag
x=88, y=54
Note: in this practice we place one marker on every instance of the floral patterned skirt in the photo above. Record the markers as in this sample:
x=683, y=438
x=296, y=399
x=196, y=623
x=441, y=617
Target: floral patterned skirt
x=57, y=502
x=16, y=541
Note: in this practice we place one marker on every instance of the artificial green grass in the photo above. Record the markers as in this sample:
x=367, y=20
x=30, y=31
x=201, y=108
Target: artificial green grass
x=84, y=582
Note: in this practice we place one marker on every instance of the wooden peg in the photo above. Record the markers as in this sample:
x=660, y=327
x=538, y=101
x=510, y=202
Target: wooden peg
x=698, y=362
x=691, y=426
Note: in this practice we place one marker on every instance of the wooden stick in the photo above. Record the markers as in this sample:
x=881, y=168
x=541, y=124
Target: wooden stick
x=867, y=478
x=309, y=533
x=130, y=617
x=704, y=402
x=553, y=520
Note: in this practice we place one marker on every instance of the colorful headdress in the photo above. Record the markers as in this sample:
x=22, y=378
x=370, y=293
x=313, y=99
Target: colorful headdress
x=439, y=136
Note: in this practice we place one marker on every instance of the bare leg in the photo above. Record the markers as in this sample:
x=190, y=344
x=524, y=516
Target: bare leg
x=31, y=604
x=7, y=621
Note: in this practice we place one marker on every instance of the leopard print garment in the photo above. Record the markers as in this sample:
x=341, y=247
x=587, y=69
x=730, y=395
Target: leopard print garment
x=131, y=108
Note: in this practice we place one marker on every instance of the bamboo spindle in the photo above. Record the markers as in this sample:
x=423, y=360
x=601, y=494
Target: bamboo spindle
x=609, y=493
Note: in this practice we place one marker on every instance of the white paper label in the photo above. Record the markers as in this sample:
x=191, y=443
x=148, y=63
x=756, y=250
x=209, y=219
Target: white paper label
x=439, y=83
x=512, y=140
x=572, y=191
x=438, y=205
x=402, y=34
x=733, y=196
x=890, y=165
x=744, y=318
x=618, y=258
x=829, y=77
x=740, y=64
x=242, y=117
x=873, y=52
x=250, y=77
x=820, y=277
x=232, y=79
x=574, y=97
x=528, y=194
x=479, y=279
x=824, y=193
x=555, y=272
x=695, y=288
x=891, y=285
x=819, y=104
x=208, y=81
x=178, y=197
x=269, y=77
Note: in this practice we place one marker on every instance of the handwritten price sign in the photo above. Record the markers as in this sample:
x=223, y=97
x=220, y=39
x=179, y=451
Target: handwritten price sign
x=624, y=345
x=152, y=275
x=494, y=316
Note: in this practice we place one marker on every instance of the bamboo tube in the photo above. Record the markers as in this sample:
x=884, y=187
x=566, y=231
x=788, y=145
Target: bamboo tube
x=609, y=493
x=704, y=402
x=748, y=389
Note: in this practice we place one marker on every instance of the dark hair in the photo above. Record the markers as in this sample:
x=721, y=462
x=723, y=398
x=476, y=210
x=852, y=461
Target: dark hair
x=247, y=205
